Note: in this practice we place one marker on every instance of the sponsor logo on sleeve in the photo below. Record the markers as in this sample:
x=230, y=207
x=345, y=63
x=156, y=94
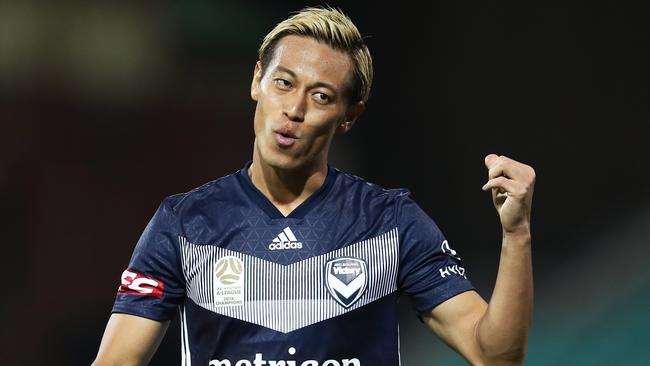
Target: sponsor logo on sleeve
x=452, y=270
x=134, y=283
x=229, y=282
x=447, y=250
x=346, y=279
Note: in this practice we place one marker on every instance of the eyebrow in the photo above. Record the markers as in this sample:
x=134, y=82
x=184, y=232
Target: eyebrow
x=318, y=84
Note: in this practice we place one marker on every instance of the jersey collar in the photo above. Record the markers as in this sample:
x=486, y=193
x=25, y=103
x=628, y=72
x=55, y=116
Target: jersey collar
x=299, y=212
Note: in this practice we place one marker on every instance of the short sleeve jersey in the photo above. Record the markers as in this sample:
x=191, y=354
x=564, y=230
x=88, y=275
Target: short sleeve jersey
x=317, y=287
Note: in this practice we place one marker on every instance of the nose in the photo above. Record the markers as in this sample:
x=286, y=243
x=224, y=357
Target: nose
x=294, y=106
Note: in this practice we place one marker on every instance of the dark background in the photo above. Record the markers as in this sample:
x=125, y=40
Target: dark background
x=108, y=107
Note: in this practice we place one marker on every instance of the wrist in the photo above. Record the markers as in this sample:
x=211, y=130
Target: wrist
x=518, y=234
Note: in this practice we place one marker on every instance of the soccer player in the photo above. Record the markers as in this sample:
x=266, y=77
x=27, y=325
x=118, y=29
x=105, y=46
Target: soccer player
x=291, y=262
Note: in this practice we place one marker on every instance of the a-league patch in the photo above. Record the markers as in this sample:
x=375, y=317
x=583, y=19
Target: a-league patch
x=229, y=282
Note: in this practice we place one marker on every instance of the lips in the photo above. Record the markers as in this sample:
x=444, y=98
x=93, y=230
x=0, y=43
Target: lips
x=285, y=137
x=286, y=132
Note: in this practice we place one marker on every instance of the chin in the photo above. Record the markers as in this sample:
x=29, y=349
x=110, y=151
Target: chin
x=281, y=160
x=288, y=164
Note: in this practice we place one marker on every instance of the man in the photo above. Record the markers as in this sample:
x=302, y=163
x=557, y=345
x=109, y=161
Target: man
x=292, y=262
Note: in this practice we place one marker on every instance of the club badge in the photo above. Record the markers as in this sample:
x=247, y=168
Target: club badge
x=346, y=279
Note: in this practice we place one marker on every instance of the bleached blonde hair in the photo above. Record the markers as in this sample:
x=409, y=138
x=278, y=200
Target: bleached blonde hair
x=332, y=27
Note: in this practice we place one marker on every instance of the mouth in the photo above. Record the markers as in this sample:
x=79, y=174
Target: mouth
x=286, y=132
x=285, y=137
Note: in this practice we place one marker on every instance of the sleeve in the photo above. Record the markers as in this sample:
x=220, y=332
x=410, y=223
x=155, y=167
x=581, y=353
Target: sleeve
x=153, y=285
x=430, y=270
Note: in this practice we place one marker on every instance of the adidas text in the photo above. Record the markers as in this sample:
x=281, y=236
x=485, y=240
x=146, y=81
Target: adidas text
x=285, y=240
x=286, y=245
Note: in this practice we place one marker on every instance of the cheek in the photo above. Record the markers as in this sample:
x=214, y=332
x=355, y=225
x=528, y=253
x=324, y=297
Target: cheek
x=323, y=131
x=264, y=110
x=269, y=103
x=258, y=119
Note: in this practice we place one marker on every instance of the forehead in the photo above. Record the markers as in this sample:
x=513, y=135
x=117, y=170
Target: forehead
x=312, y=60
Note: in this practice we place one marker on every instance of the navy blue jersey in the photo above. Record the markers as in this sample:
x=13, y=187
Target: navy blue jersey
x=317, y=287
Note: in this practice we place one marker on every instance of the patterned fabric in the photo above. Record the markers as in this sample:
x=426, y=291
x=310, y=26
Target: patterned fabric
x=319, y=286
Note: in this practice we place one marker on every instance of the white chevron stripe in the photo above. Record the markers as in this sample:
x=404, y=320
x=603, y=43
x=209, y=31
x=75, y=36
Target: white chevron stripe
x=286, y=298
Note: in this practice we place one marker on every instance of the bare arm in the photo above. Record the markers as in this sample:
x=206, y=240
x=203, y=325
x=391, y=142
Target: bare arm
x=129, y=340
x=497, y=333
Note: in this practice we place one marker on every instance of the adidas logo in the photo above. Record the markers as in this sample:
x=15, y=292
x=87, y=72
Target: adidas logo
x=285, y=240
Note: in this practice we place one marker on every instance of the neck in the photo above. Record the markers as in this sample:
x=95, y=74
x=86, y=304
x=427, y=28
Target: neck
x=286, y=188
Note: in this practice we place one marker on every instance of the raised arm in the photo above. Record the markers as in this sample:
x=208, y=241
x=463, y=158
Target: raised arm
x=129, y=340
x=497, y=333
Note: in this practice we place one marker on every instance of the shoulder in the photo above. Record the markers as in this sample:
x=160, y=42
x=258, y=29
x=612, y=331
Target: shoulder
x=407, y=212
x=356, y=184
x=187, y=214
x=371, y=200
x=205, y=193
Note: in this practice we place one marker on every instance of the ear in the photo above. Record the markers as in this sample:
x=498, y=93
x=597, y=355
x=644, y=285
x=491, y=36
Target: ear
x=257, y=78
x=351, y=116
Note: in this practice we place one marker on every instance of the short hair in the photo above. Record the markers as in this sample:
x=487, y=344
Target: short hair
x=332, y=27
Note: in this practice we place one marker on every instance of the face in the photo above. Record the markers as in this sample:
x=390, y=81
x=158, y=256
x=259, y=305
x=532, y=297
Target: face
x=301, y=103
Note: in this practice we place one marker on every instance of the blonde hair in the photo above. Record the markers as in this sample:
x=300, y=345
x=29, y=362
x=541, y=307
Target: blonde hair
x=332, y=27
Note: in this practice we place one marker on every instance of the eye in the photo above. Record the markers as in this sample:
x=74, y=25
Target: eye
x=282, y=84
x=322, y=97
